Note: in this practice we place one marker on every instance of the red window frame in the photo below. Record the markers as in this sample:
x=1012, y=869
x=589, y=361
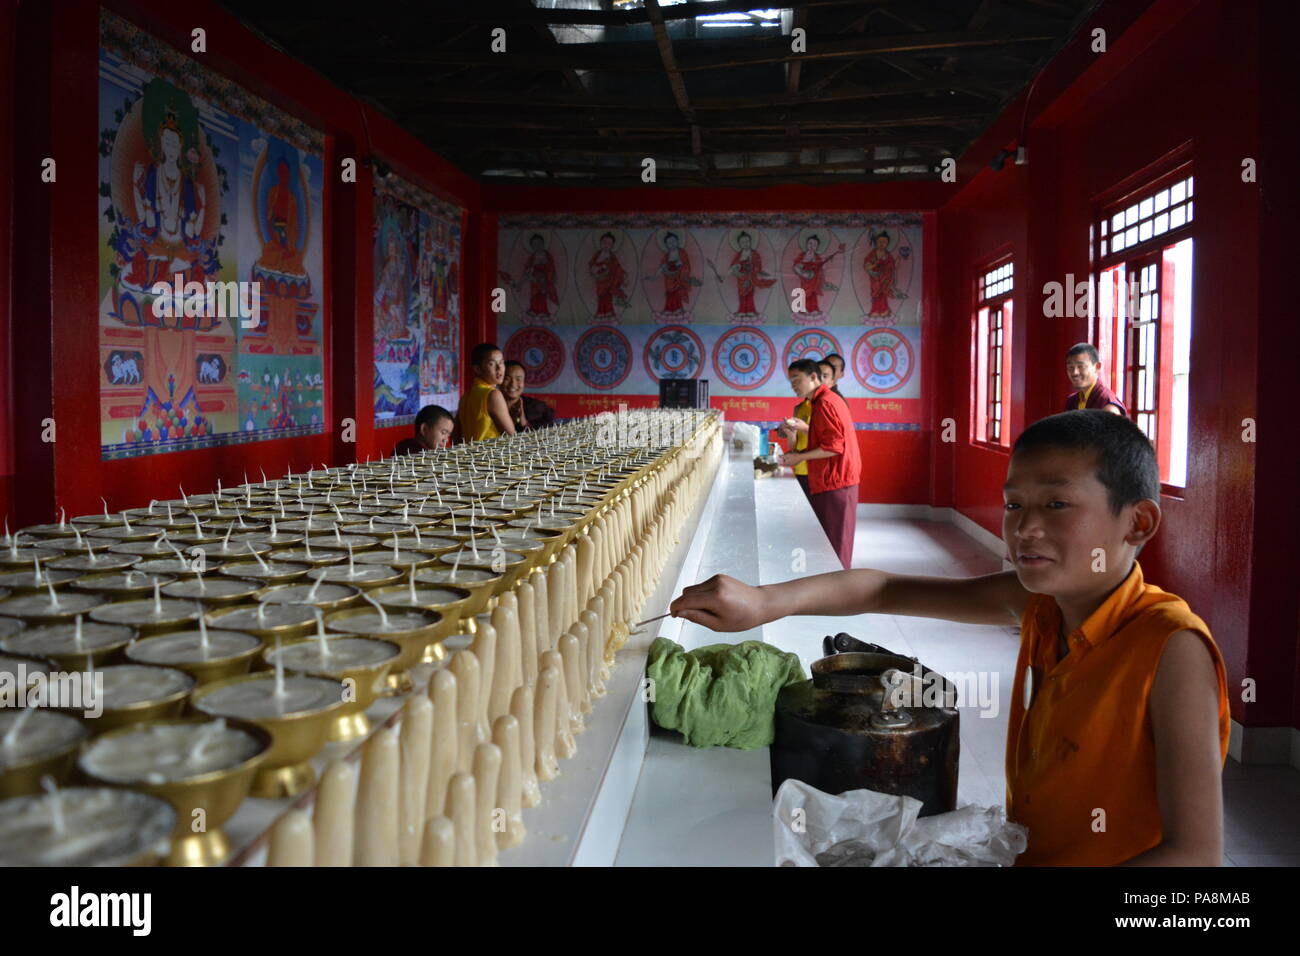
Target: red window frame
x=1128, y=370
x=991, y=325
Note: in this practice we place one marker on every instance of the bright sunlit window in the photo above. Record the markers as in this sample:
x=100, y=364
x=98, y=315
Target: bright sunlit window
x=992, y=332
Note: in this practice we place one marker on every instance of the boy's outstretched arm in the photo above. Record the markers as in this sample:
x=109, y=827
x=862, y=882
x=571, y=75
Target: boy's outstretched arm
x=724, y=604
x=1185, y=724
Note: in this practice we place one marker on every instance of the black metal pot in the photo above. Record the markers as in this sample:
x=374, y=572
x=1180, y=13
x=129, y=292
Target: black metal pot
x=863, y=722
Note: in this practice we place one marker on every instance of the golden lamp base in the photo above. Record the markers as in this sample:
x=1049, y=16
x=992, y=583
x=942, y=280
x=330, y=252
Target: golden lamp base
x=274, y=783
x=199, y=849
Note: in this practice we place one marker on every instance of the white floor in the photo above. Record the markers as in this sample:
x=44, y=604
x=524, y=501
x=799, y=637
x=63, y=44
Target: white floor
x=712, y=807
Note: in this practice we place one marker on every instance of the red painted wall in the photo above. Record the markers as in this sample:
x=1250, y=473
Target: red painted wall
x=61, y=117
x=896, y=465
x=1151, y=93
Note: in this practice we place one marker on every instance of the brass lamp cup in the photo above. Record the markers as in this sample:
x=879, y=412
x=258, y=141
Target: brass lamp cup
x=102, y=561
x=221, y=592
x=412, y=642
x=25, y=555
x=397, y=598
x=141, y=711
x=511, y=568
x=295, y=739
x=480, y=592
x=23, y=778
x=351, y=722
x=24, y=582
x=79, y=660
x=243, y=617
x=34, y=609
x=176, y=615
x=203, y=671
x=217, y=793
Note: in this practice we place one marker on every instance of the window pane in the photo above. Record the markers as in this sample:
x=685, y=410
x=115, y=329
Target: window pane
x=1144, y=231
x=1162, y=223
x=1144, y=208
x=1117, y=221
x=1130, y=215
x=1130, y=237
x=1177, y=216
x=1189, y=185
x=1189, y=210
x=1162, y=199
x=1178, y=192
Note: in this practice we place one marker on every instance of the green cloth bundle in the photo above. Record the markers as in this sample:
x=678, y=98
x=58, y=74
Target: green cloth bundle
x=720, y=695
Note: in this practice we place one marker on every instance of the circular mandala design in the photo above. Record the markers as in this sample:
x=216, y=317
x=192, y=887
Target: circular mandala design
x=883, y=360
x=673, y=351
x=744, y=357
x=811, y=344
x=602, y=357
x=540, y=351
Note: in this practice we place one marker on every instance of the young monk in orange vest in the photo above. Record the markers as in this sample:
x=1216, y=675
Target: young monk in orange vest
x=1117, y=756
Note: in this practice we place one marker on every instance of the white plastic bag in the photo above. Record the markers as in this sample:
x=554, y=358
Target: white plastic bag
x=866, y=828
x=745, y=435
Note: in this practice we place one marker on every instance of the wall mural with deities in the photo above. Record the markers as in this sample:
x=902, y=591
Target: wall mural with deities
x=600, y=307
x=210, y=267
x=417, y=302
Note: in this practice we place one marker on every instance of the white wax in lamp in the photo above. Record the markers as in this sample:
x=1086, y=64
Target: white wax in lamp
x=264, y=698
x=334, y=655
x=383, y=622
x=33, y=734
x=263, y=617
x=58, y=640
x=359, y=574
x=307, y=593
x=217, y=588
x=192, y=647
x=146, y=611
x=160, y=753
x=84, y=826
x=126, y=684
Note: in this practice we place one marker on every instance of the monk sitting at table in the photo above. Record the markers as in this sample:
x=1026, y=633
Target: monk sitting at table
x=483, y=411
x=433, y=429
x=1119, y=721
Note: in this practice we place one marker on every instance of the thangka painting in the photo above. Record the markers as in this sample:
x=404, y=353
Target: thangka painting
x=210, y=267
x=416, y=302
x=599, y=308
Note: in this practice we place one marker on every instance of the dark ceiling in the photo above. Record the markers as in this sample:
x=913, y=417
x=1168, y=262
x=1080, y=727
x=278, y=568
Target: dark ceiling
x=885, y=90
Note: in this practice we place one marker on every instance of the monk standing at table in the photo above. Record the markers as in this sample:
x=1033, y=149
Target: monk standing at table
x=834, y=462
x=483, y=412
x=1083, y=366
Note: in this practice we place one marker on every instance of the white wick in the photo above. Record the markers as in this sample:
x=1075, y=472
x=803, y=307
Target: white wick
x=157, y=599
x=76, y=632
x=11, y=737
x=264, y=565
x=412, y=579
x=225, y=542
x=455, y=565
x=203, y=629
x=383, y=615
x=261, y=612
x=320, y=632
x=54, y=598
x=203, y=587
x=311, y=595
x=279, y=673
x=105, y=510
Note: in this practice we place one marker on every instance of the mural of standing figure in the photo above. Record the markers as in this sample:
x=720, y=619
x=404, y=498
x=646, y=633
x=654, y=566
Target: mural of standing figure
x=608, y=275
x=675, y=268
x=747, y=269
x=881, y=267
